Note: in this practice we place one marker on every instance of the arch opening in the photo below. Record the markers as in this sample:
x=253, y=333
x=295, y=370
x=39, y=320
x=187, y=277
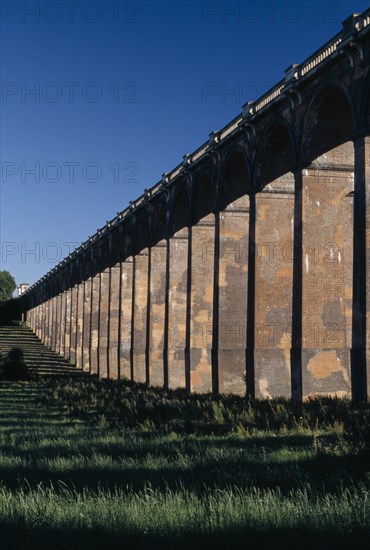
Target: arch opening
x=275, y=157
x=204, y=202
x=179, y=212
x=328, y=125
x=141, y=231
x=159, y=225
x=235, y=179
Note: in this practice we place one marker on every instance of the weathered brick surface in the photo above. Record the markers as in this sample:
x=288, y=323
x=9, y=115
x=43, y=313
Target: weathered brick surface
x=37, y=323
x=38, y=308
x=86, y=343
x=47, y=323
x=37, y=320
x=104, y=323
x=68, y=324
x=158, y=268
x=127, y=272
x=43, y=321
x=63, y=323
x=94, y=341
x=202, y=268
x=58, y=321
x=327, y=258
x=140, y=315
x=31, y=318
x=114, y=306
x=74, y=313
x=80, y=325
x=54, y=324
x=34, y=318
x=178, y=278
x=274, y=286
x=233, y=289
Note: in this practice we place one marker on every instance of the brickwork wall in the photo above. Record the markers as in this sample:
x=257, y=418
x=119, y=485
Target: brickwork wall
x=261, y=259
x=80, y=324
x=274, y=284
x=233, y=292
x=141, y=270
x=74, y=317
x=104, y=323
x=86, y=313
x=62, y=323
x=178, y=279
x=158, y=270
x=201, y=317
x=114, y=319
x=327, y=261
x=94, y=342
x=126, y=329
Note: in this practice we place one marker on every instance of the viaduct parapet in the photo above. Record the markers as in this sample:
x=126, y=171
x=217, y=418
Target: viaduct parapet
x=246, y=269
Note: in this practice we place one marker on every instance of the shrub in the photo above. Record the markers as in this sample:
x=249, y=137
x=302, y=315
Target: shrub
x=14, y=366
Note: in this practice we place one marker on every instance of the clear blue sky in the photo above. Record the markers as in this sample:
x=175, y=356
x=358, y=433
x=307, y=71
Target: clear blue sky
x=122, y=90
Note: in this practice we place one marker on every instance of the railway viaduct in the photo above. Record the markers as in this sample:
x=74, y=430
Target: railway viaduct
x=246, y=268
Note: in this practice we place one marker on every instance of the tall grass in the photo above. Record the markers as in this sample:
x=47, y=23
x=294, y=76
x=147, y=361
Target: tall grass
x=76, y=480
x=139, y=406
x=229, y=516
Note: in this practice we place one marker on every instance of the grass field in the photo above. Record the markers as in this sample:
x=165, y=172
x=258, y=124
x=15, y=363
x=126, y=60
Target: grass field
x=75, y=474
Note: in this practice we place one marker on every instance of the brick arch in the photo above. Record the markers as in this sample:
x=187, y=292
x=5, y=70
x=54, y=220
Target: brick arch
x=141, y=230
x=329, y=121
x=116, y=246
x=86, y=262
x=235, y=179
x=127, y=238
x=105, y=252
x=179, y=211
x=158, y=224
x=75, y=271
x=95, y=259
x=203, y=197
x=364, y=122
x=276, y=153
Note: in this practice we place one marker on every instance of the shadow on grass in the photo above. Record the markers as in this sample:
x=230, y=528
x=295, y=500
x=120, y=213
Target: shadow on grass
x=17, y=537
x=240, y=461
x=322, y=474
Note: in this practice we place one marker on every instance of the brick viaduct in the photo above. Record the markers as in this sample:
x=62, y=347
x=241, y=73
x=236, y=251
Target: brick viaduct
x=246, y=269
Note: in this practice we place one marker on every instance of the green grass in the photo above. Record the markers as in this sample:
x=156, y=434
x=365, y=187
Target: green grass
x=132, y=406
x=150, y=517
x=74, y=473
